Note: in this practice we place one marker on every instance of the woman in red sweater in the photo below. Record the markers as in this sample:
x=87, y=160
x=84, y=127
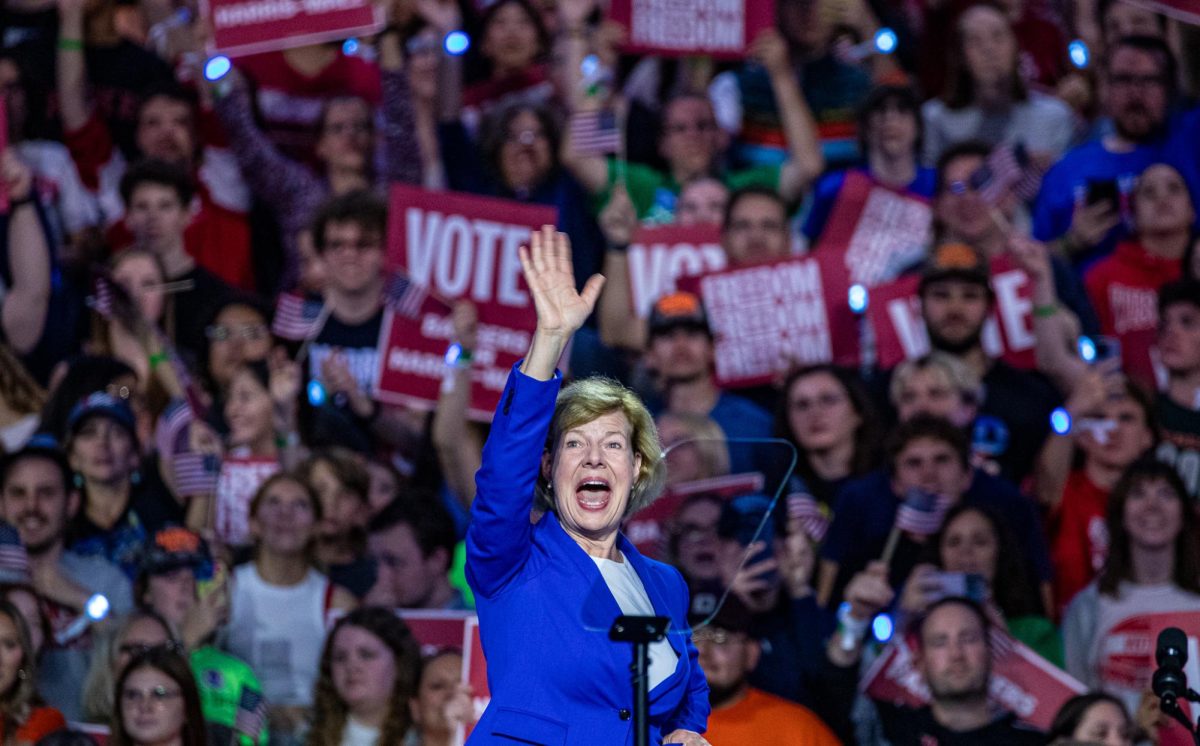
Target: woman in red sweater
x=23, y=718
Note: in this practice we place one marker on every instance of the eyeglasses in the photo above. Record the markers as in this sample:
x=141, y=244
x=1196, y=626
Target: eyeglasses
x=525, y=137
x=702, y=127
x=158, y=695
x=824, y=401
x=348, y=128
x=134, y=649
x=718, y=637
x=245, y=332
x=1129, y=80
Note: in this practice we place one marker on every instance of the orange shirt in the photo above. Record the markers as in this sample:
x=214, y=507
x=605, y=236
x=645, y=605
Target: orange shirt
x=765, y=718
x=41, y=721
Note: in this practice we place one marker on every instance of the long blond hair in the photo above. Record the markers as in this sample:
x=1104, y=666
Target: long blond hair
x=22, y=696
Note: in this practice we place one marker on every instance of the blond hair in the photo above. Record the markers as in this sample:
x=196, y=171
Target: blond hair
x=707, y=436
x=959, y=374
x=583, y=401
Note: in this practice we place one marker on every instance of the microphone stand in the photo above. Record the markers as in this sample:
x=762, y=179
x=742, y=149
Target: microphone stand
x=641, y=631
x=1169, y=700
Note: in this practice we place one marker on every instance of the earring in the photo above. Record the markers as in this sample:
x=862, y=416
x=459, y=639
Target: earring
x=78, y=480
x=22, y=674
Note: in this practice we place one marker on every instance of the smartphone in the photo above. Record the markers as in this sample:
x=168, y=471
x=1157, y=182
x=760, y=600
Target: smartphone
x=1102, y=190
x=1107, y=348
x=747, y=513
x=962, y=584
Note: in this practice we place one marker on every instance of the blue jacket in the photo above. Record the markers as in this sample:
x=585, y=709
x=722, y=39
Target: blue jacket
x=545, y=611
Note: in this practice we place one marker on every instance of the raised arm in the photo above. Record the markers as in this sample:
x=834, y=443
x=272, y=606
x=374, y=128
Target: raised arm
x=456, y=440
x=402, y=152
x=23, y=310
x=71, y=69
x=804, y=161
x=618, y=221
x=499, y=538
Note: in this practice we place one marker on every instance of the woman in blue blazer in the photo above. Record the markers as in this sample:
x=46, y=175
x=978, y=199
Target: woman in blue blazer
x=550, y=578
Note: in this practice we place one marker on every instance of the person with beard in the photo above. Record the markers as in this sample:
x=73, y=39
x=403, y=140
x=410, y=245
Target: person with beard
x=742, y=713
x=680, y=352
x=36, y=498
x=953, y=652
x=956, y=300
x=167, y=129
x=1139, y=91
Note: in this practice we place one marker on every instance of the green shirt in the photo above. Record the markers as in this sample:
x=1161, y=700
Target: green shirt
x=653, y=192
x=221, y=678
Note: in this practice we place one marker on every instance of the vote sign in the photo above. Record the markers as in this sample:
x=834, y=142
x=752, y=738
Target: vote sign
x=241, y=27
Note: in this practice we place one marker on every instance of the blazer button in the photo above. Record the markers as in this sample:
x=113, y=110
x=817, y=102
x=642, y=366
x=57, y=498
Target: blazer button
x=624, y=714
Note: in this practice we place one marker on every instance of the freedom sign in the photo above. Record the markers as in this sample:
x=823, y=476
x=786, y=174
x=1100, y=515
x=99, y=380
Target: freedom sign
x=241, y=27
x=1022, y=681
x=678, y=28
x=895, y=316
x=660, y=255
x=771, y=317
x=459, y=247
x=878, y=231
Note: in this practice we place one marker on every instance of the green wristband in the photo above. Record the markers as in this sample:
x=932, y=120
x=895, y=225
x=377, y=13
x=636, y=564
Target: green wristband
x=1045, y=312
x=70, y=45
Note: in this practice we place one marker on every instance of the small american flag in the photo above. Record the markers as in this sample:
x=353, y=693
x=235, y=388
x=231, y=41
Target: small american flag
x=404, y=296
x=101, y=299
x=595, y=132
x=12, y=555
x=805, y=509
x=251, y=714
x=196, y=473
x=921, y=513
x=296, y=317
x=171, y=434
x=1007, y=168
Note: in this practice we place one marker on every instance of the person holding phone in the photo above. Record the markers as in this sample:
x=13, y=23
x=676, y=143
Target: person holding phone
x=1123, y=286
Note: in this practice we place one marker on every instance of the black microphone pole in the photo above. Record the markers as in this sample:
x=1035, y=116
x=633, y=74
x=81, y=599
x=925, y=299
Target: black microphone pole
x=641, y=631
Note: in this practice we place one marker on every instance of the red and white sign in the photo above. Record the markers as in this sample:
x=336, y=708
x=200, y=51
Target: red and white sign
x=895, y=315
x=660, y=255
x=878, y=231
x=475, y=672
x=649, y=528
x=437, y=630
x=1022, y=682
x=240, y=478
x=676, y=28
x=458, y=246
x=769, y=318
x=241, y=27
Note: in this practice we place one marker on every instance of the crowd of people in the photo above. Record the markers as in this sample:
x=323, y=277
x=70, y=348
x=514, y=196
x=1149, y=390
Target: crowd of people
x=210, y=522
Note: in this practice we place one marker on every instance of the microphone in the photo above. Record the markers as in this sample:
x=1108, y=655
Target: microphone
x=1170, y=682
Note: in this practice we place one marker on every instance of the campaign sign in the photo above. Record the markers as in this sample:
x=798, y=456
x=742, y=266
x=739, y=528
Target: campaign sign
x=769, y=318
x=895, y=316
x=649, y=528
x=878, y=231
x=677, y=28
x=660, y=255
x=435, y=629
x=241, y=27
x=1022, y=681
x=475, y=672
x=459, y=247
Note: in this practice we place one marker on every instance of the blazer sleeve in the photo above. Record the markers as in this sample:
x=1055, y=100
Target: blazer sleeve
x=692, y=713
x=500, y=536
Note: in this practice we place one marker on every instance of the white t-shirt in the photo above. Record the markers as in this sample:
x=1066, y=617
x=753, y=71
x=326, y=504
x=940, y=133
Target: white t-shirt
x=625, y=585
x=357, y=734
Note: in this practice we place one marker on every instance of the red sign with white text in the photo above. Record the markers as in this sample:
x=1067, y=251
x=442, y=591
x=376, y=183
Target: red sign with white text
x=1022, y=682
x=459, y=247
x=677, y=28
x=475, y=672
x=241, y=27
x=895, y=316
x=436, y=630
x=878, y=231
x=660, y=255
x=768, y=318
x=649, y=528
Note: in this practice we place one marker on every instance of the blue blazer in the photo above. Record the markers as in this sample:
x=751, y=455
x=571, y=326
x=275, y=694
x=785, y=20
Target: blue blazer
x=545, y=611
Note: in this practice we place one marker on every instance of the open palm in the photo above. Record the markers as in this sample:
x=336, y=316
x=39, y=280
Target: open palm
x=561, y=309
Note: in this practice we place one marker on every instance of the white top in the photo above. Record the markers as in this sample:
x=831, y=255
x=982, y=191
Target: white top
x=357, y=734
x=625, y=585
x=1043, y=123
x=279, y=631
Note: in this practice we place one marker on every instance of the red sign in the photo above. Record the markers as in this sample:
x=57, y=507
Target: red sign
x=241, y=27
x=437, y=630
x=878, y=231
x=677, y=28
x=895, y=315
x=458, y=246
x=241, y=476
x=1022, y=682
x=648, y=528
x=475, y=672
x=769, y=318
x=661, y=255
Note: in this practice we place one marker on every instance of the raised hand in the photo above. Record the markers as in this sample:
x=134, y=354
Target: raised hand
x=561, y=309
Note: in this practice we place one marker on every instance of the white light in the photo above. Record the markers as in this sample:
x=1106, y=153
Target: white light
x=885, y=40
x=453, y=352
x=1087, y=349
x=457, y=43
x=1060, y=421
x=590, y=65
x=858, y=298
x=882, y=627
x=316, y=393
x=217, y=68
x=350, y=47
x=1078, y=51
x=96, y=608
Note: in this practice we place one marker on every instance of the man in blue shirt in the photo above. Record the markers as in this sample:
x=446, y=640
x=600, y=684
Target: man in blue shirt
x=1085, y=196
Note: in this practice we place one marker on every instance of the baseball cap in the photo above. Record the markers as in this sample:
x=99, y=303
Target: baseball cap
x=102, y=404
x=175, y=547
x=678, y=309
x=955, y=261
